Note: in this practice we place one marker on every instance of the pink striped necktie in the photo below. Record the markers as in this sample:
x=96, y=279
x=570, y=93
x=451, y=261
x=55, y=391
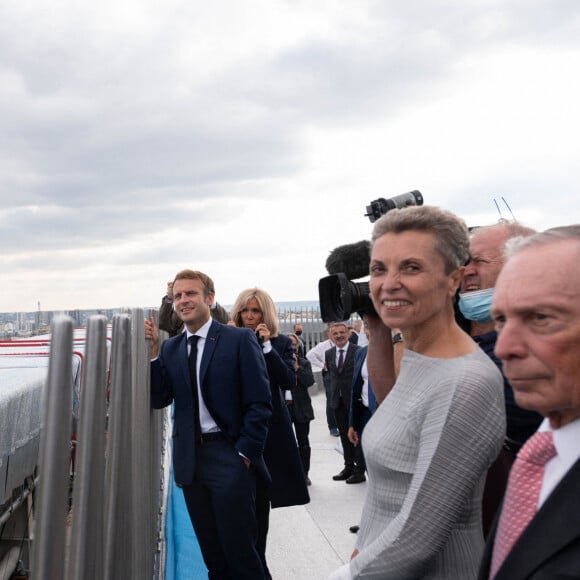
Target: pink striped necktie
x=521, y=497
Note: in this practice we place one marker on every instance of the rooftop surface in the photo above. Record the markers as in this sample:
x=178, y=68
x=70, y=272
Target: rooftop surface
x=310, y=541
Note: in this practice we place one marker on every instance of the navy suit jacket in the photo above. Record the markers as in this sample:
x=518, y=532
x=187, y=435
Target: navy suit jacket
x=549, y=548
x=281, y=452
x=235, y=388
x=356, y=391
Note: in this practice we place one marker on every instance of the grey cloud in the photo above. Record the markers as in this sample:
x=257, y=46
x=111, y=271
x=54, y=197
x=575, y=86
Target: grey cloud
x=109, y=132
x=127, y=128
x=53, y=227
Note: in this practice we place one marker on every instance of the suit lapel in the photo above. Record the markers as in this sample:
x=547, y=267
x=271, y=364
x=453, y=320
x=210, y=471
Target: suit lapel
x=208, y=350
x=183, y=359
x=350, y=354
x=551, y=529
x=332, y=357
x=357, y=386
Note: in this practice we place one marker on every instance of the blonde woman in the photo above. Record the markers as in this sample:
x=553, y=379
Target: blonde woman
x=255, y=309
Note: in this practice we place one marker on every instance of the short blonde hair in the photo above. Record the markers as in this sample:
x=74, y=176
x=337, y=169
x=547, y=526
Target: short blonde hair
x=449, y=231
x=266, y=304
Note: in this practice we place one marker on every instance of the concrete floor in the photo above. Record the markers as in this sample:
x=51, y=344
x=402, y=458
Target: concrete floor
x=309, y=542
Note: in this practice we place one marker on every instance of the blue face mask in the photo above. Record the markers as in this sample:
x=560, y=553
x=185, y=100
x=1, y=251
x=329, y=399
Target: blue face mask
x=476, y=305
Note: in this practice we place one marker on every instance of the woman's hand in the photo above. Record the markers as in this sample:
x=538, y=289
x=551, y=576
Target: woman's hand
x=296, y=362
x=263, y=332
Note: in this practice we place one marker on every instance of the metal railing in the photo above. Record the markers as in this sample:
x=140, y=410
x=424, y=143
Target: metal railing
x=117, y=489
x=313, y=329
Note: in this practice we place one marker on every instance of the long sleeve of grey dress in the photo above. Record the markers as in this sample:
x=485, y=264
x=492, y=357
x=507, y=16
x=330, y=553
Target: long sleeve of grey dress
x=428, y=447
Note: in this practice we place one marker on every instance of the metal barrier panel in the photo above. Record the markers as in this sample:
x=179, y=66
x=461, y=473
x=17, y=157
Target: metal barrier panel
x=142, y=511
x=87, y=533
x=118, y=504
x=118, y=485
x=52, y=493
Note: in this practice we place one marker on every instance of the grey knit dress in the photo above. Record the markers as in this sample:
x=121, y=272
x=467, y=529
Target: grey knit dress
x=428, y=447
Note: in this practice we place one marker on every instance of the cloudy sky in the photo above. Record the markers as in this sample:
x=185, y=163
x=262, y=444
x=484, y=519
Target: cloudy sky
x=246, y=138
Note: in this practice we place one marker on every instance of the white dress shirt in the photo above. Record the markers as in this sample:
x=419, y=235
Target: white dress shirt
x=364, y=373
x=338, y=349
x=567, y=444
x=206, y=421
x=316, y=354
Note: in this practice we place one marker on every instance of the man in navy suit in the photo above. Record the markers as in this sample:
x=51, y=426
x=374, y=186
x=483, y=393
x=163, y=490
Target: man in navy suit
x=221, y=393
x=362, y=400
x=536, y=309
x=362, y=405
x=339, y=363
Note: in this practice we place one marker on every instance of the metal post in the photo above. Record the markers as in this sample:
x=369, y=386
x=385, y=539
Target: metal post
x=143, y=544
x=118, y=484
x=86, y=557
x=49, y=547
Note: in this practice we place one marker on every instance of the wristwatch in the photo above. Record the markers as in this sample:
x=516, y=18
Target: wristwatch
x=397, y=337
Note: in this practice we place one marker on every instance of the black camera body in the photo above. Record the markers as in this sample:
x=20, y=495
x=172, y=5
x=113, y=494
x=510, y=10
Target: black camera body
x=338, y=295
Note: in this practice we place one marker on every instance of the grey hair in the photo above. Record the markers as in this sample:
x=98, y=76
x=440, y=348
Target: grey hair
x=450, y=231
x=557, y=234
x=510, y=229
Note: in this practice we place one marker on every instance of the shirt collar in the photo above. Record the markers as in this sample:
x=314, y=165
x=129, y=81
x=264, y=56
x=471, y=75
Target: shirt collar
x=202, y=331
x=565, y=439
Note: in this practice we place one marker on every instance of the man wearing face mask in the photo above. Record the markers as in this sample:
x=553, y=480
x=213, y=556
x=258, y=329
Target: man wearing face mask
x=486, y=260
x=302, y=346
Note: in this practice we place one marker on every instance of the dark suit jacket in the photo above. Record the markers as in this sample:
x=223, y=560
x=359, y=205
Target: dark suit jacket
x=340, y=383
x=235, y=388
x=356, y=390
x=281, y=451
x=302, y=403
x=549, y=548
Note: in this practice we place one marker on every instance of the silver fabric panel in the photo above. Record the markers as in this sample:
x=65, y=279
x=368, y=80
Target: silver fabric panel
x=119, y=486
x=52, y=493
x=87, y=535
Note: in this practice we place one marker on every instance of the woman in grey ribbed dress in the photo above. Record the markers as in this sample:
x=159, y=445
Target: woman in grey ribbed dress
x=430, y=442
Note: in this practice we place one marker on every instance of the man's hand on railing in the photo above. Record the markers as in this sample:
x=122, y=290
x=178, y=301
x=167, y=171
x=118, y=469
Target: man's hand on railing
x=152, y=335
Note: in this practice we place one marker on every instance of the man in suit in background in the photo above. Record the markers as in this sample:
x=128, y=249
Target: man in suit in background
x=536, y=310
x=217, y=378
x=362, y=400
x=339, y=364
x=316, y=357
x=362, y=404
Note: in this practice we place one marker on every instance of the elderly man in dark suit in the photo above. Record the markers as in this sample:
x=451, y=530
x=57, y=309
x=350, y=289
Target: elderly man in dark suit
x=216, y=376
x=536, y=309
x=339, y=363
